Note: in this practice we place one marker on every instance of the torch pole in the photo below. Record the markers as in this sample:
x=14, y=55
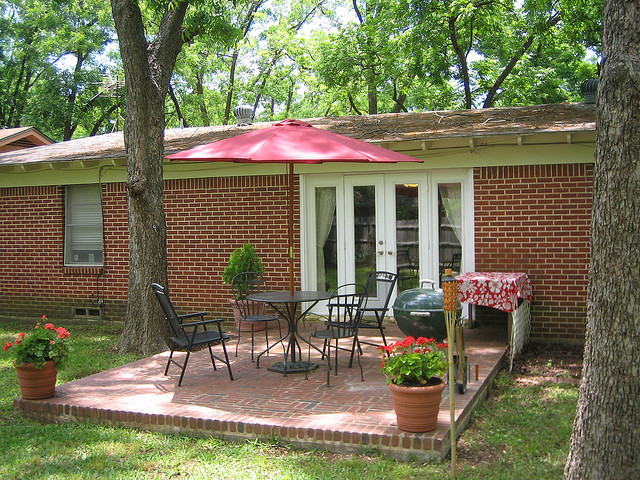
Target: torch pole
x=450, y=297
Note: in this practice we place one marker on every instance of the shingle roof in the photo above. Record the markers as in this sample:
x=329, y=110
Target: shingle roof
x=21, y=137
x=384, y=128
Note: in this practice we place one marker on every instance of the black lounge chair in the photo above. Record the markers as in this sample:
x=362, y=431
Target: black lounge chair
x=191, y=334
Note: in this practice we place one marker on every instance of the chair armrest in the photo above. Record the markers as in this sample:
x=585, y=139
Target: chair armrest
x=203, y=322
x=191, y=315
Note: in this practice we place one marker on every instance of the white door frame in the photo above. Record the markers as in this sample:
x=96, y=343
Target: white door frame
x=428, y=236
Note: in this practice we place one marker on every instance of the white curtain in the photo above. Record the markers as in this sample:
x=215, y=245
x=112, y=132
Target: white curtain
x=325, y=212
x=451, y=195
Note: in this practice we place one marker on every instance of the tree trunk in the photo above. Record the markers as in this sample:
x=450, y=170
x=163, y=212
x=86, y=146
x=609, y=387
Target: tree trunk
x=230, y=92
x=204, y=118
x=147, y=68
x=606, y=433
x=372, y=95
x=462, y=58
x=69, y=127
x=176, y=105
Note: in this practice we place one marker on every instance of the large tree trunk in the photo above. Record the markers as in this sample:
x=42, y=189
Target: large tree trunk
x=606, y=433
x=148, y=68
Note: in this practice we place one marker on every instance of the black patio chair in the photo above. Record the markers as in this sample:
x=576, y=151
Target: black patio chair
x=346, y=306
x=243, y=285
x=188, y=335
x=380, y=285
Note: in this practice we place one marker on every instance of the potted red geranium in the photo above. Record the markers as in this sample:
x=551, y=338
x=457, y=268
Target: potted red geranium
x=37, y=354
x=414, y=370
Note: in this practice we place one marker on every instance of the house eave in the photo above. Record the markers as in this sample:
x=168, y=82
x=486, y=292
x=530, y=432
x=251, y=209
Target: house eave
x=404, y=132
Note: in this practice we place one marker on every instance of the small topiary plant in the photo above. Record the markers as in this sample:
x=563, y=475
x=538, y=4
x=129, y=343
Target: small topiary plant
x=244, y=259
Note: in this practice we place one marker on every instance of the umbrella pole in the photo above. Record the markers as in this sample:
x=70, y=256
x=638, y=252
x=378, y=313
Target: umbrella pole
x=291, y=228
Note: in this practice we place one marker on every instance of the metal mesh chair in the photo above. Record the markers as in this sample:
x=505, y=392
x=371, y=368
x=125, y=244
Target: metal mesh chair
x=191, y=334
x=243, y=285
x=346, y=306
x=379, y=287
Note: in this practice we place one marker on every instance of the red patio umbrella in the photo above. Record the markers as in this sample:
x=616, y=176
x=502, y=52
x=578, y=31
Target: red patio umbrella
x=290, y=142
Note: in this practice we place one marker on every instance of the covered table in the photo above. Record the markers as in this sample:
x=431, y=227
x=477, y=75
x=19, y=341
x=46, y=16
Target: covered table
x=506, y=291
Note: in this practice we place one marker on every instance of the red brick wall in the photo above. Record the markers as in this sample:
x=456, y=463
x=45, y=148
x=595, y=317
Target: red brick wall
x=206, y=220
x=533, y=219
x=31, y=252
x=536, y=219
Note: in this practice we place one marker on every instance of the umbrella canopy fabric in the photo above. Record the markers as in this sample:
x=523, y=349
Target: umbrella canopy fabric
x=290, y=142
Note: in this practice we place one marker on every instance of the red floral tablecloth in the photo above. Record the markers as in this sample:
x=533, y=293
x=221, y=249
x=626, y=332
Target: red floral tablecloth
x=494, y=289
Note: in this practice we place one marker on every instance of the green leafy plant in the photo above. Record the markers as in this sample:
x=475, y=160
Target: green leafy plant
x=44, y=342
x=243, y=259
x=414, y=362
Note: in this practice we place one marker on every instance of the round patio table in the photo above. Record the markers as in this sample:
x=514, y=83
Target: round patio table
x=288, y=307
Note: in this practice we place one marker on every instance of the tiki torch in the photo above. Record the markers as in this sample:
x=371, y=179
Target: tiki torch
x=450, y=298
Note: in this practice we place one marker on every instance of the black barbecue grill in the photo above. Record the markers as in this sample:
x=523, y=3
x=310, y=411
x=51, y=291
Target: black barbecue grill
x=419, y=312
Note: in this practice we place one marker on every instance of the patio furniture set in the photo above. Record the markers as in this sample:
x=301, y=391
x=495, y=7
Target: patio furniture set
x=350, y=307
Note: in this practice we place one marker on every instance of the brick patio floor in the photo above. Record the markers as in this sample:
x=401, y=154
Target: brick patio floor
x=350, y=416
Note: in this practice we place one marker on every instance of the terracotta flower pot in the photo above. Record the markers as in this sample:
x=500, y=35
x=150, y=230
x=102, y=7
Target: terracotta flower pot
x=241, y=325
x=417, y=407
x=37, y=383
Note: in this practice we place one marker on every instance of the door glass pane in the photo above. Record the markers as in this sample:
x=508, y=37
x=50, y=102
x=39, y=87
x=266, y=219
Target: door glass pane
x=326, y=239
x=364, y=218
x=407, y=235
x=450, y=227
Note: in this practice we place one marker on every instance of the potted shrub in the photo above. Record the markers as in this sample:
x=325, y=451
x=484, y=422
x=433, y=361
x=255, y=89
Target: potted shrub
x=414, y=370
x=243, y=259
x=37, y=355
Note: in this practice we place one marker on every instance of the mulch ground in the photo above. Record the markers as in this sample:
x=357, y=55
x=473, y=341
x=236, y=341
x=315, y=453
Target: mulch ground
x=536, y=364
x=552, y=363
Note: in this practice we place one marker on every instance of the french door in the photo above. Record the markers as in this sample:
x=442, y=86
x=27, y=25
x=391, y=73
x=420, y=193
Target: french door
x=382, y=219
x=410, y=224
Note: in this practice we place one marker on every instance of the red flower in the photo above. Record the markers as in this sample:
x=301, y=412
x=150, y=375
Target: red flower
x=49, y=326
x=407, y=342
x=62, y=332
x=7, y=346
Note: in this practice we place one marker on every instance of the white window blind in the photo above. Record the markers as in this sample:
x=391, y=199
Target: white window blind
x=83, y=226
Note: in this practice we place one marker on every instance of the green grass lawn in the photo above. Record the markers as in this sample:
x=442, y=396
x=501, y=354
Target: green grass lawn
x=521, y=432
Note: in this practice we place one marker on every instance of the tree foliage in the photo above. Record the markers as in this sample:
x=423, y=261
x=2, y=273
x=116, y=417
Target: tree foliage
x=300, y=58
x=49, y=56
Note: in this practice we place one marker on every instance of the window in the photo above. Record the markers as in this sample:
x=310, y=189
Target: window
x=83, y=226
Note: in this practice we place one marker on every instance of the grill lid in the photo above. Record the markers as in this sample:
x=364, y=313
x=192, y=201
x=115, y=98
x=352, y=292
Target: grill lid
x=420, y=299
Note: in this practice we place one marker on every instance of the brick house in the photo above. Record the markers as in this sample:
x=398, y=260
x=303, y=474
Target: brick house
x=21, y=137
x=505, y=189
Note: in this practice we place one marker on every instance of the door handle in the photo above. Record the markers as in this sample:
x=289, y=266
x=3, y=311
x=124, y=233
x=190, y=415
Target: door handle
x=390, y=252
